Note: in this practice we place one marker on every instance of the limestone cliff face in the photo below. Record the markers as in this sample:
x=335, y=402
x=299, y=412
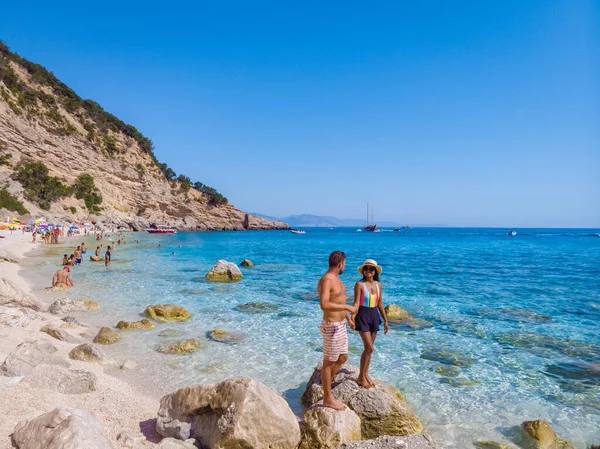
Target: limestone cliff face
x=134, y=189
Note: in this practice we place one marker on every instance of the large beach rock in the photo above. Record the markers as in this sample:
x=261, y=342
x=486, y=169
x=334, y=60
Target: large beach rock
x=394, y=442
x=12, y=295
x=325, y=428
x=236, y=413
x=224, y=271
x=66, y=305
x=106, y=336
x=88, y=353
x=398, y=315
x=59, y=334
x=28, y=355
x=13, y=317
x=135, y=325
x=382, y=410
x=180, y=346
x=540, y=435
x=167, y=312
x=62, y=380
x=61, y=428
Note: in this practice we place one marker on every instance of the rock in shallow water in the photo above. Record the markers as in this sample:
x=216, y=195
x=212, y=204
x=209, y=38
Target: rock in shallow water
x=59, y=429
x=66, y=305
x=447, y=357
x=88, y=353
x=180, y=347
x=394, y=442
x=257, y=307
x=107, y=336
x=135, y=325
x=59, y=334
x=540, y=435
x=246, y=263
x=237, y=413
x=224, y=271
x=225, y=337
x=167, y=312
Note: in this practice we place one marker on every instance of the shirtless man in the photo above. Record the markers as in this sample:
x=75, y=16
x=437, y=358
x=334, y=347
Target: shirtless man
x=98, y=251
x=332, y=294
x=78, y=255
x=62, y=278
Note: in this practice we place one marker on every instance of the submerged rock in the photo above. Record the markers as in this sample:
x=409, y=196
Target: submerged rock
x=66, y=305
x=135, y=325
x=107, y=336
x=225, y=337
x=59, y=429
x=397, y=315
x=325, y=428
x=170, y=333
x=224, y=271
x=446, y=370
x=257, y=307
x=180, y=347
x=247, y=263
x=59, y=334
x=447, y=357
x=492, y=445
x=394, y=442
x=61, y=379
x=540, y=435
x=382, y=410
x=236, y=413
x=167, y=312
x=28, y=355
x=88, y=353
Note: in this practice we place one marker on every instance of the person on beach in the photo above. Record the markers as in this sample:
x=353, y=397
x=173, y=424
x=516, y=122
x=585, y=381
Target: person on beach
x=83, y=248
x=369, y=304
x=98, y=249
x=107, y=257
x=78, y=255
x=332, y=294
x=65, y=261
x=62, y=278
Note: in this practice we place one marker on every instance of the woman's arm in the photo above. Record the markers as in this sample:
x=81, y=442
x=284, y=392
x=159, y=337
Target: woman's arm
x=357, y=291
x=382, y=310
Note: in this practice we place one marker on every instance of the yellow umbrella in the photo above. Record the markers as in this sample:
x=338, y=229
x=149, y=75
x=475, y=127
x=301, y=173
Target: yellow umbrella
x=12, y=225
x=16, y=220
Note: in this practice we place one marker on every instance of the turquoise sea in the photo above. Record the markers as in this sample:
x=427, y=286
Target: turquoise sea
x=514, y=334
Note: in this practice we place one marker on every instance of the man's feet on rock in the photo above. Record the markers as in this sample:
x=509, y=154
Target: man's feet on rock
x=334, y=404
x=371, y=381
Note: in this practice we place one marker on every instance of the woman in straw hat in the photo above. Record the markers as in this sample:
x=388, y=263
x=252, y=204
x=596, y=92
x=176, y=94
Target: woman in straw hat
x=367, y=297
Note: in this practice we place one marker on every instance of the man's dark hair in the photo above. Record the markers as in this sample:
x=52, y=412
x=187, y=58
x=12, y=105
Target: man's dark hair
x=336, y=258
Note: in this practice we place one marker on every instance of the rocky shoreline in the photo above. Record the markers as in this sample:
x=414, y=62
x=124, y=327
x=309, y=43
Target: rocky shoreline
x=56, y=393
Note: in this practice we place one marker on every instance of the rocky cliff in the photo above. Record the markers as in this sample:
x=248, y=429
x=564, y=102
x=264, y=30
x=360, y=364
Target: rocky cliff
x=43, y=120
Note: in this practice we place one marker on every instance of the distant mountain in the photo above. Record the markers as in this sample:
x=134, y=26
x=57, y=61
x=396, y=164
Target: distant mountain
x=306, y=220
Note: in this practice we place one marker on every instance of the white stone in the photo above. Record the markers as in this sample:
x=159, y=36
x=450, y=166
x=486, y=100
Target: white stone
x=28, y=355
x=61, y=379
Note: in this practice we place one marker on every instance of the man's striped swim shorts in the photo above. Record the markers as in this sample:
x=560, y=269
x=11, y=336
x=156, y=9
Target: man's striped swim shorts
x=335, y=340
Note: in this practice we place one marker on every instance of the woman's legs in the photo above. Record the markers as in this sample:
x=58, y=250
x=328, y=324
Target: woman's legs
x=368, y=339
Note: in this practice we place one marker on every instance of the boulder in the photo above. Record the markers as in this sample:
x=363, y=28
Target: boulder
x=325, y=428
x=59, y=334
x=62, y=380
x=172, y=443
x=106, y=336
x=246, y=263
x=382, y=410
x=167, y=312
x=540, y=435
x=28, y=355
x=88, y=353
x=12, y=295
x=135, y=325
x=180, y=347
x=397, y=315
x=224, y=271
x=236, y=413
x=13, y=317
x=394, y=442
x=61, y=428
x=225, y=337
x=66, y=305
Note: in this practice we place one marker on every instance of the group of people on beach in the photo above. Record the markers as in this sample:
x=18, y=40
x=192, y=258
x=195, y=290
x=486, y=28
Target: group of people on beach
x=364, y=315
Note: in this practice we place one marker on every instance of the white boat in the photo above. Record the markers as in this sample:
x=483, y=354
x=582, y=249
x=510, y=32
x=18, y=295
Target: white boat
x=511, y=233
x=298, y=231
x=359, y=230
x=370, y=227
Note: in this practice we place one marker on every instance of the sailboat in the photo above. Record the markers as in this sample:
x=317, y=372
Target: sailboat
x=370, y=227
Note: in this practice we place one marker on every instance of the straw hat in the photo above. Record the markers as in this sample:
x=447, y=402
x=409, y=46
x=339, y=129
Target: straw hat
x=372, y=263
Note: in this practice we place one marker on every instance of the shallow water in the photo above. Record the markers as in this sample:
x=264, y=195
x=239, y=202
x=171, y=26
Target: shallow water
x=515, y=319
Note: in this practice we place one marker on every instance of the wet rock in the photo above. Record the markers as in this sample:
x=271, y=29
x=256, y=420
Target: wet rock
x=447, y=357
x=257, y=307
x=394, y=442
x=225, y=337
x=135, y=325
x=73, y=320
x=180, y=347
x=224, y=271
x=540, y=435
x=88, y=353
x=546, y=345
x=11, y=295
x=247, y=263
x=581, y=373
x=59, y=334
x=513, y=314
x=397, y=315
x=66, y=305
x=446, y=370
x=107, y=336
x=60, y=429
x=382, y=410
x=13, y=317
x=459, y=382
x=492, y=445
x=28, y=355
x=128, y=364
x=325, y=428
x=237, y=413
x=167, y=312
x=170, y=333
x=62, y=380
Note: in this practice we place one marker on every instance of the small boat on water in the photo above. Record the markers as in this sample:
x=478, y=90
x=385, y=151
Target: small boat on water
x=511, y=233
x=370, y=227
x=161, y=229
x=359, y=230
x=298, y=231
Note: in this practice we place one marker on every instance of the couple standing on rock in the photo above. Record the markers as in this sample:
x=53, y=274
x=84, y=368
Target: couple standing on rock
x=362, y=316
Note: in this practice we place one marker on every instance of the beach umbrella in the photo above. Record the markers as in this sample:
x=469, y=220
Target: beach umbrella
x=59, y=226
x=73, y=227
x=12, y=225
x=3, y=226
x=31, y=222
x=16, y=219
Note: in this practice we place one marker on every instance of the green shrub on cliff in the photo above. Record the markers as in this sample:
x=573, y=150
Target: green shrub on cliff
x=7, y=201
x=85, y=189
x=40, y=187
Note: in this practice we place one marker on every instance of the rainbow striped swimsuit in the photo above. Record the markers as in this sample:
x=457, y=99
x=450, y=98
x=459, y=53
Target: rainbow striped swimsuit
x=368, y=299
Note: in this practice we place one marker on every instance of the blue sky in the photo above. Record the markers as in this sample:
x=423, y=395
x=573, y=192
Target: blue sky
x=465, y=113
